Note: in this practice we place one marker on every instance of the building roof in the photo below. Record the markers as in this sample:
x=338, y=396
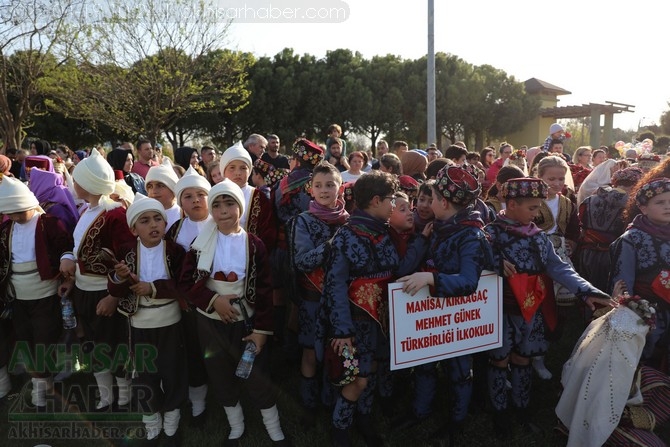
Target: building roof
x=585, y=110
x=534, y=85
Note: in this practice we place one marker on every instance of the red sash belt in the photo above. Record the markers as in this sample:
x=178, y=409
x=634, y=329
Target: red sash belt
x=312, y=283
x=530, y=291
x=370, y=295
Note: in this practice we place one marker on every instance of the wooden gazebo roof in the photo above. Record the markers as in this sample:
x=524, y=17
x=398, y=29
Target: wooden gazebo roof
x=585, y=110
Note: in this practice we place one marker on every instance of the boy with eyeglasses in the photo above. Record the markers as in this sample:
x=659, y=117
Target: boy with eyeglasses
x=354, y=309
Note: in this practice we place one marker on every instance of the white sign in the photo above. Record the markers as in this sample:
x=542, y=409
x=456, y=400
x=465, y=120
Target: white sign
x=424, y=329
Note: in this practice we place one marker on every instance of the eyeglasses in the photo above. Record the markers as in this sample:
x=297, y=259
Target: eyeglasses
x=391, y=199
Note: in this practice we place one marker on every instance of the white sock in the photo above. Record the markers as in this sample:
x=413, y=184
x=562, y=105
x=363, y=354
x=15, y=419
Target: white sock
x=197, y=396
x=5, y=382
x=235, y=420
x=541, y=369
x=153, y=423
x=124, y=390
x=105, y=381
x=271, y=422
x=39, y=392
x=171, y=422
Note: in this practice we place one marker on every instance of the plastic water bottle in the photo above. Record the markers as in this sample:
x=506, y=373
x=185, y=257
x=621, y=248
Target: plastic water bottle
x=247, y=361
x=67, y=312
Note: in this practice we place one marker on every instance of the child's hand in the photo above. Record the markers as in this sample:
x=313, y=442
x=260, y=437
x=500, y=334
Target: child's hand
x=428, y=229
x=142, y=289
x=338, y=344
x=226, y=310
x=591, y=301
x=620, y=288
x=66, y=287
x=258, y=339
x=508, y=268
x=67, y=268
x=107, y=306
x=122, y=271
x=415, y=281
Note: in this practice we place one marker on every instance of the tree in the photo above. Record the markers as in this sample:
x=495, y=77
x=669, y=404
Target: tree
x=35, y=36
x=142, y=72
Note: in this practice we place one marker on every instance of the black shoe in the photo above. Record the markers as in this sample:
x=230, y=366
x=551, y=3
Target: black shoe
x=172, y=441
x=447, y=435
x=366, y=428
x=341, y=437
x=234, y=442
x=199, y=421
x=286, y=442
x=406, y=421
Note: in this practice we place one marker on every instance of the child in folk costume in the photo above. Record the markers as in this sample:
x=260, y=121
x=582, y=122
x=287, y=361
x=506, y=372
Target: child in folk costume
x=354, y=310
x=265, y=176
x=258, y=217
x=602, y=223
x=458, y=253
x=161, y=182
x=310, y=243
x=145, y=281
x=558, y=218
x=641, y=258
x=525, y=256
x=102, y=225
x=31, y=243
x=423, y=213
x=191, y=191
x=290, y=198
x=227, y=276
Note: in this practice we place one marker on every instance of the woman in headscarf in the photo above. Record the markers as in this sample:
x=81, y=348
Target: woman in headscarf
x=122, y=160
x=600, y=176
x=414, y=164
x=186, y=157
x=54, y=196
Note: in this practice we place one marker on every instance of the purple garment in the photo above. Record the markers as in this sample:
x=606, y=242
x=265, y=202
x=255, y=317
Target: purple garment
x=54, y=196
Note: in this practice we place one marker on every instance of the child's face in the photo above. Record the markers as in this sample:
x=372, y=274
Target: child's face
x=382, y=206
x=334, y=133
x=423, y=207
x=555, y=178
x=150, y=228
x=402, y=218
x=81, y=192
x=21, y=217
x=442, y=208
x=524, y=211
x=226, y=214
x=257, y=179
x=658, y=209
x=160, y=191
x=194, y=203
x=238, y=172
x=558, y=134
x=325, y=188
x=216, y=175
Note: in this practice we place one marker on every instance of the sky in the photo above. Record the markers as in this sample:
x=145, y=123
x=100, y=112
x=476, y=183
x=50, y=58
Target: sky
x=598, y=50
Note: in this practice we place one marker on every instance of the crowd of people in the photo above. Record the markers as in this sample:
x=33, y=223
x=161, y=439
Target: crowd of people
x=206, y=258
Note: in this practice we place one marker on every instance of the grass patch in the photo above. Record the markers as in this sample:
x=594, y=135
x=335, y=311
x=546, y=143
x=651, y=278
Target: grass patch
x=101, y=430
